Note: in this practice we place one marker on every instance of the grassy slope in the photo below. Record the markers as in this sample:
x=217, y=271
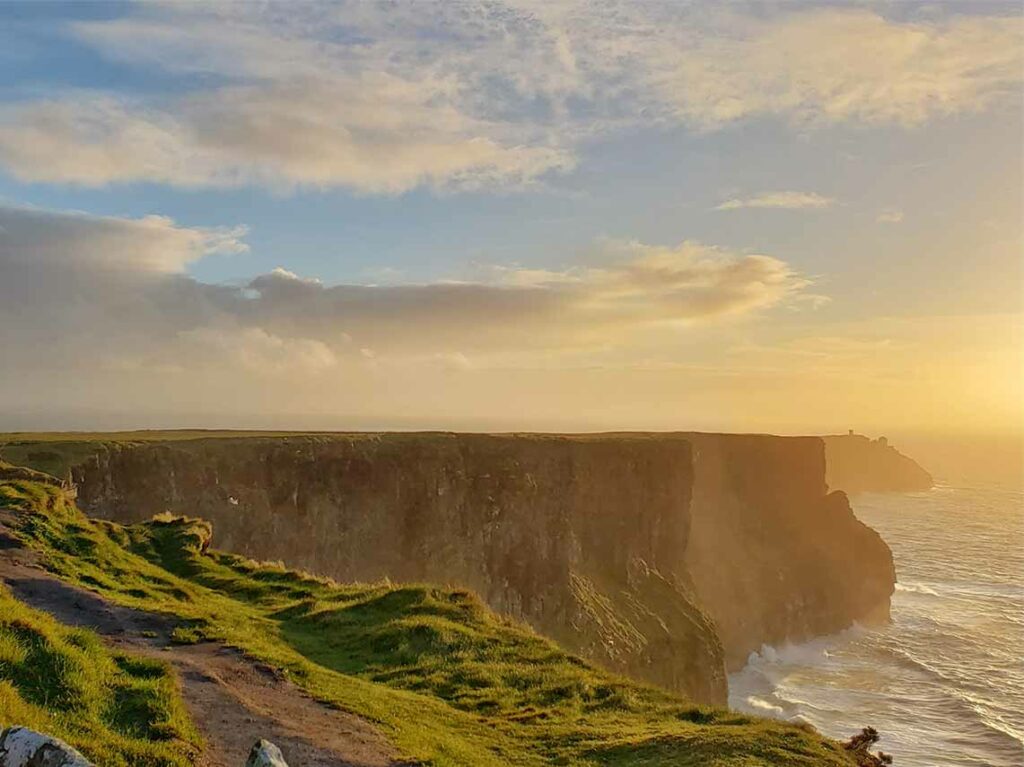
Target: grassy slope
x=119, y=711
x=448, y=681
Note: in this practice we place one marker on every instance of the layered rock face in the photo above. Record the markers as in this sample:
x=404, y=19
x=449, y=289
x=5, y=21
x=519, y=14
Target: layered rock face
x=660, y=556
x=571, y=535
x=857, y=464
x=774, y=556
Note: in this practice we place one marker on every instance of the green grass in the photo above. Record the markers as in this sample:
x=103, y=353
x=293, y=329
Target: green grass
x=57, y=452
x=117, y=710
x=448, y=681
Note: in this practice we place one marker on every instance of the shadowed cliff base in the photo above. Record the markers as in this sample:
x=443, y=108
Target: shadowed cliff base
x=669, y=557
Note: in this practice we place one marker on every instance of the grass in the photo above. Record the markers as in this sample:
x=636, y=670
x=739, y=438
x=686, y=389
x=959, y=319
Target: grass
x=448, y=681
x=118, y=710
x=57, y=452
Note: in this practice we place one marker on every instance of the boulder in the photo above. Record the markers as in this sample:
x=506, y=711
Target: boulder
x=22, y=747
x=265, y=754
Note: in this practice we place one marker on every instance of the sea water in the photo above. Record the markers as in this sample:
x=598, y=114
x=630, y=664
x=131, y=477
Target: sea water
x=944, y=682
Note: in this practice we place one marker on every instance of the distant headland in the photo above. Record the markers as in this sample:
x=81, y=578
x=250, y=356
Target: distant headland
x=858, y=464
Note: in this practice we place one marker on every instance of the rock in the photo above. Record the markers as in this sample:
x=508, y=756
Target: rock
x=22, y=747
x=265, y=754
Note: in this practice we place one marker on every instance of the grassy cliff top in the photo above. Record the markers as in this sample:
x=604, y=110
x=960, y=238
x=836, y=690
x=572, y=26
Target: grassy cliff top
x=57, y=452
x=448, y=681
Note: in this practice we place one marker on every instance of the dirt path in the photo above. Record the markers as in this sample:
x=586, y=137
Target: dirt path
x=233, y=700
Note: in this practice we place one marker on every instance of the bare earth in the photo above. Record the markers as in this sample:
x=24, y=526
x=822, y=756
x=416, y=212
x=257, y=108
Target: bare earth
x=234, y=700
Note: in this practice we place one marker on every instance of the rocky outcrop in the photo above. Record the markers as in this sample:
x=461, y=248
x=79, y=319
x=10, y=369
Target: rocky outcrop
x=660, y=556
x=265, y=754
x=22, y=747
x=857, y=464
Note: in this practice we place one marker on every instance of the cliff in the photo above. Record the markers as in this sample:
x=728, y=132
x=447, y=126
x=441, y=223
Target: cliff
x=661, y=556
x=774, y=556
x=567, y=534
x=857, y=464
x=369, y=674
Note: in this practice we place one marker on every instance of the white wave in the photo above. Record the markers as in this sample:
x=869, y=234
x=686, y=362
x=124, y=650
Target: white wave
x=942, y=682
x=764, y=708
x=916, y=588
x=961, y=589
x=809, y=653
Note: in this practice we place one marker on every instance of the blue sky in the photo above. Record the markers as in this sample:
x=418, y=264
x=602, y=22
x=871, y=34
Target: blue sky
x=871, y=152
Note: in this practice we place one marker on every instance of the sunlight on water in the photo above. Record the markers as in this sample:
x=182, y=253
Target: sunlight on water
x=944, y=683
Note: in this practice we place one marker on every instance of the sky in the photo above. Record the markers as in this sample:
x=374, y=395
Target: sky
x=787, y=217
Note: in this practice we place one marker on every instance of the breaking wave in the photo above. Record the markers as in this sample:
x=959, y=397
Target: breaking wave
x=917, y=588
x=944, y=682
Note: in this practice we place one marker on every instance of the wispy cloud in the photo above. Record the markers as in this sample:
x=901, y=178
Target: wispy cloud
x=815, y=67
x=781, y=200
x=890, y=216
x=383, y=99
x=374, y=135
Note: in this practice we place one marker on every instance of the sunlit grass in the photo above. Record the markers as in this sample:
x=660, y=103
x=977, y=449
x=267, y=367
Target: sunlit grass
x=116, y=709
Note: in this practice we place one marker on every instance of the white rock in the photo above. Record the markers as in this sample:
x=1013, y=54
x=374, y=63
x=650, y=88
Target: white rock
x=22, y=747
x=264, y=754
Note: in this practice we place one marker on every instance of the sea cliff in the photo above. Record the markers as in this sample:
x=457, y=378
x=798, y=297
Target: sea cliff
x=774, y=556
x=858, y=464
x=666, y=557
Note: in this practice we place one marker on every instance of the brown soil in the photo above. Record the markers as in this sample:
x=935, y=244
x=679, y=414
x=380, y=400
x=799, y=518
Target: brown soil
x=233, y=699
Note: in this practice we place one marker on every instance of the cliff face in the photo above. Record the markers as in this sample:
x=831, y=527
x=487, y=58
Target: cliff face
x=773, y=556
x=567, y=534
x=618, y=546
x=857, y=464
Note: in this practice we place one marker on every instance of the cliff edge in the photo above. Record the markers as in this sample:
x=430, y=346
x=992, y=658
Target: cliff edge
x=668, y=557
x=574, y=535
x=858, y=464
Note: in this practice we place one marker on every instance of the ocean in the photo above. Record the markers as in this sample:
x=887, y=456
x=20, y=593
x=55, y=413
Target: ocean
x=944, y=682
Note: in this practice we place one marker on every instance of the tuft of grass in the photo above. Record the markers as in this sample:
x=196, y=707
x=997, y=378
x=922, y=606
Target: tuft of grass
x=448, y=681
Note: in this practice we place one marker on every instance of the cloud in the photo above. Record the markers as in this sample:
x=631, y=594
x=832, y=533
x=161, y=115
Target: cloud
x=890, y=216
x=39, y=238
x=373, y=135
x=381, y=100
x=815, y=67
x=93, y=294
x=253, y=350
x=782, y=200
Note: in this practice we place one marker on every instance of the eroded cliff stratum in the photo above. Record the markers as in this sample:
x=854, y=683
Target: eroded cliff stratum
x=665, y=557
